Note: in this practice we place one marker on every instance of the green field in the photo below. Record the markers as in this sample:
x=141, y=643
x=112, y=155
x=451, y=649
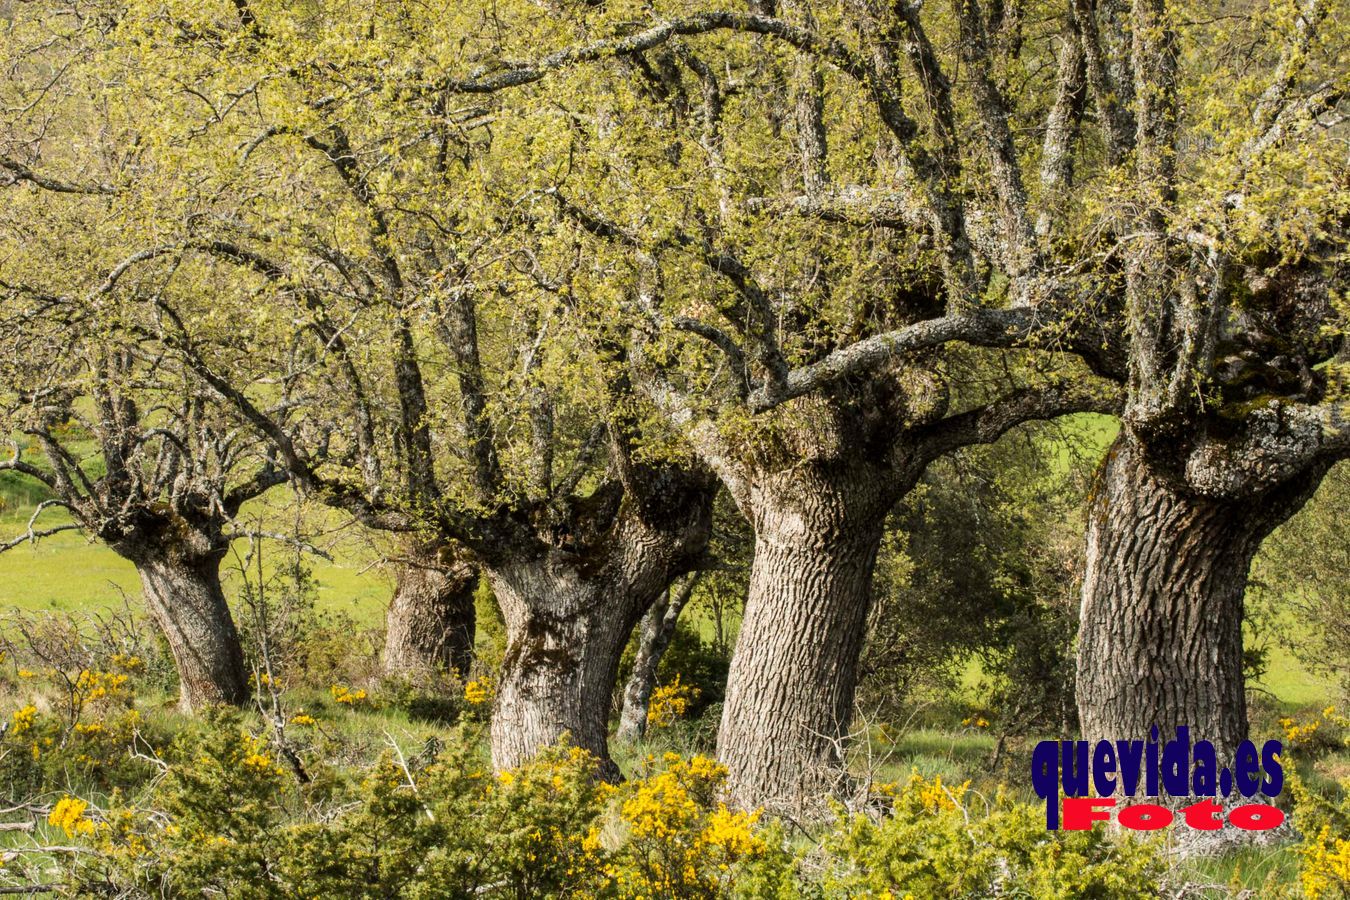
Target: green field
x=68, y=572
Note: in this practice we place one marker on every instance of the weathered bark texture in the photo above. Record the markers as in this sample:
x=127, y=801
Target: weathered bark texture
x=184, y=596
x=430, y=624
x=791, y=685
x=568, y=617
x=1160, y=639
x=654, y=636
x=818, y=500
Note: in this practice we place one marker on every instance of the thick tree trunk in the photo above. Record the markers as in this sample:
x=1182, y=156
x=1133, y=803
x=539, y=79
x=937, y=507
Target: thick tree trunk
x=568, y=617
x=654, y=636
x=793, y=674
x=430, y=623
x=562, y=659
x=184, y=596
x=1160, y=639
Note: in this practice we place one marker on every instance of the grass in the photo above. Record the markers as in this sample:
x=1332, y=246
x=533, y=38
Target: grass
x=1243, y=868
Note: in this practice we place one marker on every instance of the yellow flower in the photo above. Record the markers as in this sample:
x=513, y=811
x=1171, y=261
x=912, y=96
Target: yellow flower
x=733, y=832
x=24, y=718
x=90, y=685
x=265, y=679
x=260, y=761
x=68, y=815
x=1295, y=734
x=1326, y=867
x=343, y=694
x=27, y=673
x=934, y=796
x=670, y=702
x=476, y=693
x=129, y=663
x=302, y=719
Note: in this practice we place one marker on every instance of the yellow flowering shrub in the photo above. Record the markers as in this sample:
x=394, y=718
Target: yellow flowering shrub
x=23, y=719
x=127, y=662
x=670, y=702
x=1326, y=865
x=682, y=842
x=1324, y=822
x=68, y=815
x=346, y=695
x=1327, y=731
x=92, y=686
x=268, y=681
x=479, y=692
x=79, y=724
x=934, y=843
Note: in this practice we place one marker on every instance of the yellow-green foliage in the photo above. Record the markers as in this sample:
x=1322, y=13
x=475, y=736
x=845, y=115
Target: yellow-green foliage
x=1323, y=821
x=71, y=724
x=940, y=841
x=229, y=815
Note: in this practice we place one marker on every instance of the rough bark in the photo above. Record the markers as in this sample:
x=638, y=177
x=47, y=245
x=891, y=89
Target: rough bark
x=654, y=636
x=185, y=598
x=793, y=674
x=1160, y=639
x=568, y=617
x=430, y=623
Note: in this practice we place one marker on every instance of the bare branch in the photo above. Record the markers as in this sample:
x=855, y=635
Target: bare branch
x=1292, y=62
x=993, y=115
x=16, y=464
x=18, y=172
x=1111, y=84
x=988, y=423
x=1061, y=129
x=32, y=536
x=982, y=327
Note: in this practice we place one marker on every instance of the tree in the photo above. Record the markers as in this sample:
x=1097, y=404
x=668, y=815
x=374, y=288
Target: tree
x=430, y=623
x=799, y=247
x=140, y=461
x=654, y=635
x=125, y=447
x=1232, y=270
x=356, y=231
x=1194, y=287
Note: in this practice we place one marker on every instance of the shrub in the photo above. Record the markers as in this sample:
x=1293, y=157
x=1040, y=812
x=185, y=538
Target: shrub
x=1324, y=821
x=670, y=702
x=680, y=842
x=72, y=724
x=936, y=843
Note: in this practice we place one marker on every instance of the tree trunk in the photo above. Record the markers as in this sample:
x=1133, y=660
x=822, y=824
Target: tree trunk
x=568, y=618
x=566, y=629
x=654, y=636
x=184, y=596
x=1160, y=639
x=790, y=690
x=430, y=623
